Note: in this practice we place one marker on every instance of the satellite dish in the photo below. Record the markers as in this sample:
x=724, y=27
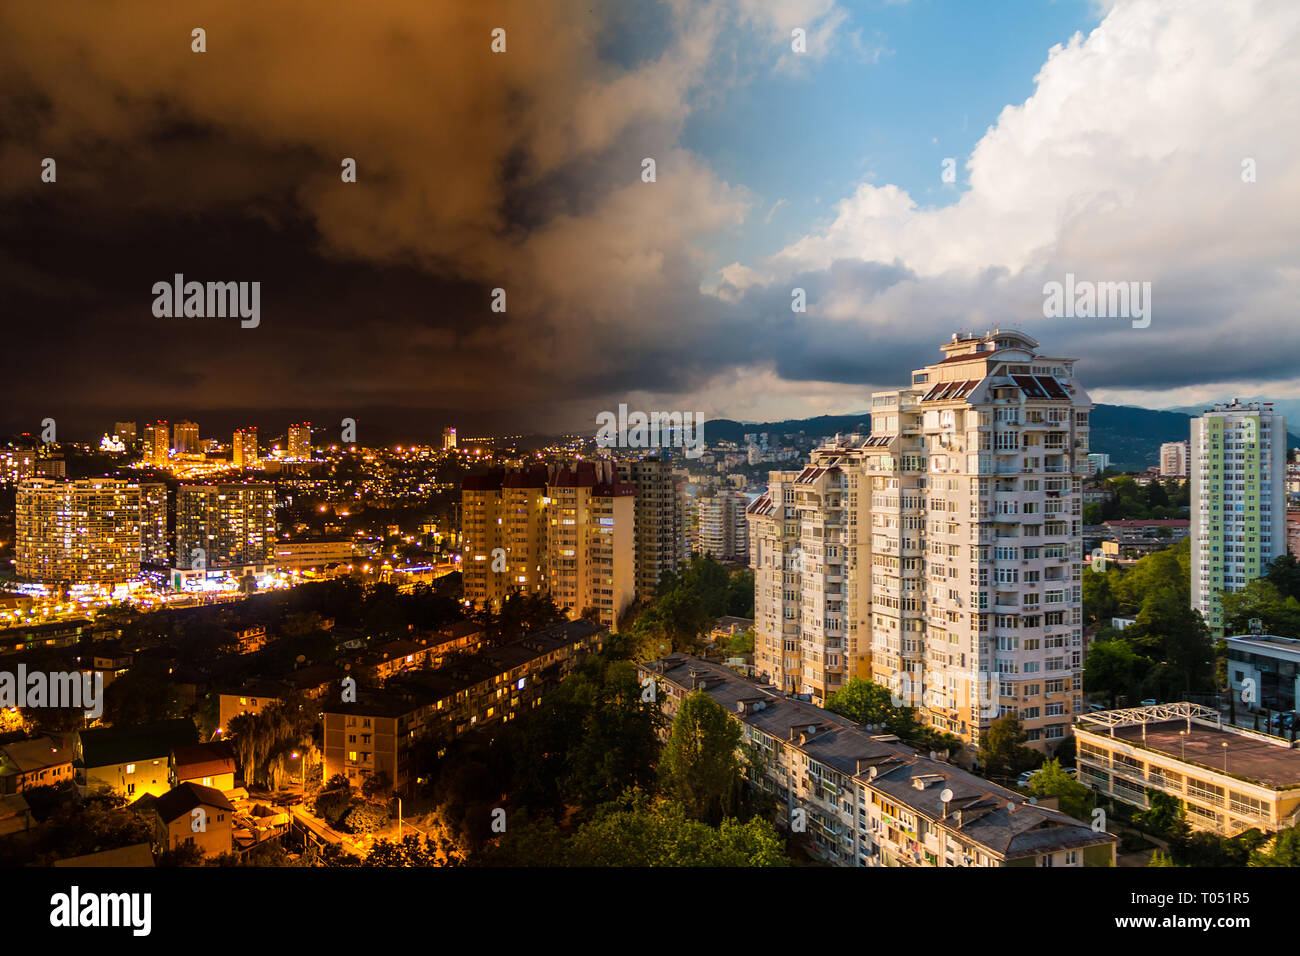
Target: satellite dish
x=933, y=755
x=812, y=728
x=1033, y=801
x=301, y=658
x=946, y=796
x=871, y=774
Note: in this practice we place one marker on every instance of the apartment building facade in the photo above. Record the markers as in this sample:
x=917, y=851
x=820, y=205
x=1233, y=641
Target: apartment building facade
x=1175, y=459
x=77, y=532
x=375, y=733
x=812, y=594
x=855, y=797
x=964, y=508
x=723, y=530
x=225, y=526
x=1238, y=503
x=660, y=520
x=566, y=530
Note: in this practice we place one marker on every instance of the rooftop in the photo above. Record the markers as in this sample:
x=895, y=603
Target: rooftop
x=1000, y=820
x=1192, y=738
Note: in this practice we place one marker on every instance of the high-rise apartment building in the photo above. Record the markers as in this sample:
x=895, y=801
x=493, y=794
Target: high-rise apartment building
x=660, y=520
x=809, y=548
x=185, y=438
x=300, y=441
x=154, y=539
x=17, y=464
x=565, y=530
x=1097, y=462
x=1174, y=459
x=124, y=432
x=1238, y=468
x=77, y=532
x=723, y=529
x=157, y=443
x=243, y=447
x=226, y=525
x=944, y=553
x=448, y=438
x=590, y=540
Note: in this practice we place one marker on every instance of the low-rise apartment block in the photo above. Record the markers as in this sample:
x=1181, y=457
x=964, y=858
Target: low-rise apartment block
x=862, y=798
x=374, y=734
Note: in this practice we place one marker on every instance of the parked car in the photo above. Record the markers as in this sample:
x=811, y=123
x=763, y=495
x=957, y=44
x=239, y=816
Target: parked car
x=1283, y=721
x=1027, y=776
x=1150, y=702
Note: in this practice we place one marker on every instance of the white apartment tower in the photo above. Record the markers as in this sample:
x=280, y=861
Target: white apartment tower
x=1238, y=468
x=961, y=517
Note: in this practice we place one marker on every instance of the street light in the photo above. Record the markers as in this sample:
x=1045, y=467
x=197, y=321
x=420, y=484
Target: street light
x=1183, y=736
x=1225, y=756
x=294, y=756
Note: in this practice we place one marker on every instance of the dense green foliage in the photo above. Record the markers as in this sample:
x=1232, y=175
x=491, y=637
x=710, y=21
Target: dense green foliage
x=1168, y=653
x=1169, y=498
x=686, y=606
x=1002, y=752
x=866, y=702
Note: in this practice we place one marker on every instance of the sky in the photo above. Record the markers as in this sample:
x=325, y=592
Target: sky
x=1135, y=141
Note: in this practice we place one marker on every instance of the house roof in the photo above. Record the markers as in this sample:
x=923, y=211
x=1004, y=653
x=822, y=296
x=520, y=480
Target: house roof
x=24, y=756
x=203, y=760
x=183, y=798
x=105, y=746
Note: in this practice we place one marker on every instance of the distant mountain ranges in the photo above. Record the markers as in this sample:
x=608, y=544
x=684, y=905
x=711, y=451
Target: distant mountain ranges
x=1132, y=436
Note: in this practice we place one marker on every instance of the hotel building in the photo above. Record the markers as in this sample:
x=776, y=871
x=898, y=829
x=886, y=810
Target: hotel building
x=857, y=797
x=941, y=556
x=1238, y=500
x=77, y=532
x=157, y=443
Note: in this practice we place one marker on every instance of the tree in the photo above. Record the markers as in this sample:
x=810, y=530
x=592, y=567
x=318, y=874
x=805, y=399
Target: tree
x=1163, y=817
x=1283, y=850
x=1112, y=668
x=862, y=702
x=1099, y=601
x=1002, y=752
x=633, y=832
x=1074, y=798
x=700, y=766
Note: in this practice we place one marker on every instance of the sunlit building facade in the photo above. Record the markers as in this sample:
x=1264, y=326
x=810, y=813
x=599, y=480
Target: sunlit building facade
x=1238, y=512
x=965, y=505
